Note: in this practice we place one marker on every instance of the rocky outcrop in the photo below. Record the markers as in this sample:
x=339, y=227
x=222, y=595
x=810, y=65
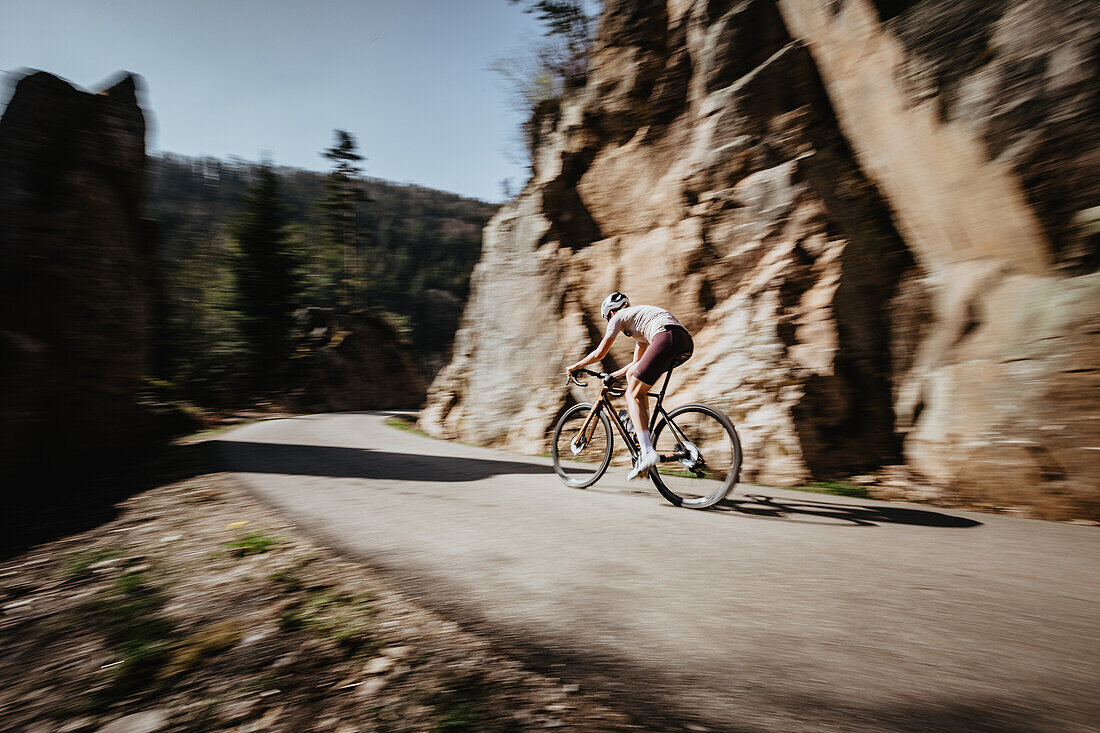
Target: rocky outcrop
x=978, y=120
x=356, y=362
x=860, y=223
x=73, y=270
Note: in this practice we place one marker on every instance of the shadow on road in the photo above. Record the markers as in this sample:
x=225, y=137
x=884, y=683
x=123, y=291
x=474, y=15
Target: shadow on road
x=365, y=463
x=759, y=505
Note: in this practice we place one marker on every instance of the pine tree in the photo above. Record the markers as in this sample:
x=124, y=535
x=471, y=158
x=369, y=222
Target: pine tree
x=265, y=278
x=339, y=205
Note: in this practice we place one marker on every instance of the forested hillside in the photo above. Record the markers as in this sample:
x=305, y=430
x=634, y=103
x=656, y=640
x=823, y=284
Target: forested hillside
x=414, y=249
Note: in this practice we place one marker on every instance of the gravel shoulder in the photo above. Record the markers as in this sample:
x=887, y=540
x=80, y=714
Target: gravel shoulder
x=198, y=609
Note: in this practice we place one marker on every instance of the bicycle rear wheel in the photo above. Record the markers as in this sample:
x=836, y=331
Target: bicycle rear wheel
x=701, y=456
x=584, y=466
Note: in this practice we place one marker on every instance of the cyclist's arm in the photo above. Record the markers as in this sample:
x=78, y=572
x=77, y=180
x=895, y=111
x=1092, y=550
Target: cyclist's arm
x=598, y=353
x=639, y=349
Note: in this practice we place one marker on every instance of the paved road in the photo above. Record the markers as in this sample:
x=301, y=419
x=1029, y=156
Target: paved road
x=781, y=611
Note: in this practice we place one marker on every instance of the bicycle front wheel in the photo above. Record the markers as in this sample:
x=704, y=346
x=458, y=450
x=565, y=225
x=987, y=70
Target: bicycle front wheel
x=580, y=459
x=700, y=456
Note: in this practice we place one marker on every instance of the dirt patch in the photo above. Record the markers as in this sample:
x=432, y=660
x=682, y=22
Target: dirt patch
x=197, y=609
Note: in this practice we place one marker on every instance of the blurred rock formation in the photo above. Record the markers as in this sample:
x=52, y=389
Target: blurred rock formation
x=879, y=219
x=356, y=362
x=74, y=292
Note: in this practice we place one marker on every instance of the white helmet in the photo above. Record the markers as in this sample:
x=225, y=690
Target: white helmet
x=613, y=302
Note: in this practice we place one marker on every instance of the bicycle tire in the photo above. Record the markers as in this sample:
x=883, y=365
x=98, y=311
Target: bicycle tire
x=710, y=481
x=574, y=472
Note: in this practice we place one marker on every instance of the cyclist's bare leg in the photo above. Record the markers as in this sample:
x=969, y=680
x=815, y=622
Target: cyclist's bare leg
x=637, y=402
x=638, y=396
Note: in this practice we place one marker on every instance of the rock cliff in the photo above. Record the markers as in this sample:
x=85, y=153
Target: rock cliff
x=74, y=291
x=878, y=219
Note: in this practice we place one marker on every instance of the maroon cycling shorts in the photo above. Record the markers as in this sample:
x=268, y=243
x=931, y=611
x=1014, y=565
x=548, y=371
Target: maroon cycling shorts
x=669, y=348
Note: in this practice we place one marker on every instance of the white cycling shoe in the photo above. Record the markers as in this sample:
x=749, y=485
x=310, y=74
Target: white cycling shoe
x=645, y=462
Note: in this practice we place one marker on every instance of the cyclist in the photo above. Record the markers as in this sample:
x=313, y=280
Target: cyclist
x=661, y=342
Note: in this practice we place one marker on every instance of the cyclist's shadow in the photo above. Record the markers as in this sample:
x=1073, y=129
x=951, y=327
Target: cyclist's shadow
x=824, y=512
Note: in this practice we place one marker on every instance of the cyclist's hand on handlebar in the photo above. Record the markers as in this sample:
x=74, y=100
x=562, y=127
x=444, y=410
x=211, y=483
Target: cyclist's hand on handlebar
x=581, y=370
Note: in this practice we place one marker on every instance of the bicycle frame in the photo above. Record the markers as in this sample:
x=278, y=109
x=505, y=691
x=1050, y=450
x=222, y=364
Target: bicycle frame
x=681, y=449
x=604, y=402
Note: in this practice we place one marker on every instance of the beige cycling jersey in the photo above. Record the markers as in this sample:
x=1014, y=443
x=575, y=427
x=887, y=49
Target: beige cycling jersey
x=641, y=322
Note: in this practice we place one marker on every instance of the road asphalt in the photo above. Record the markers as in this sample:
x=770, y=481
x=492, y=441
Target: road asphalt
x=776, y=611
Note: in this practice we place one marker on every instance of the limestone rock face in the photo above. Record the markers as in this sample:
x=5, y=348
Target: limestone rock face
x=811, y=188
x=74, y=292
x=979, y=122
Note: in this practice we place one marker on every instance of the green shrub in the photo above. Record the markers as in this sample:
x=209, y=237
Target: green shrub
x=253, y=543
x=837, y=488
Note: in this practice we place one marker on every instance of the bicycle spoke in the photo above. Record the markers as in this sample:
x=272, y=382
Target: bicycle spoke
x=705, y=457
x=580, y=458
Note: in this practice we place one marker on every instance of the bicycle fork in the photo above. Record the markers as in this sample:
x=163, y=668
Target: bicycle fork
x=584, y=435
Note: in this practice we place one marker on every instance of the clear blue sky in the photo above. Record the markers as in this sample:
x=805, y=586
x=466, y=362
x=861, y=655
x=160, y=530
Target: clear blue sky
x=253, y=77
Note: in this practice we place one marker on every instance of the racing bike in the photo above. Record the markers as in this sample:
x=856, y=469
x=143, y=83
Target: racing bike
x=698, y=445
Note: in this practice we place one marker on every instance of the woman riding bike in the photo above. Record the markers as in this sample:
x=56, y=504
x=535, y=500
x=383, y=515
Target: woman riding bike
x=661, y=342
